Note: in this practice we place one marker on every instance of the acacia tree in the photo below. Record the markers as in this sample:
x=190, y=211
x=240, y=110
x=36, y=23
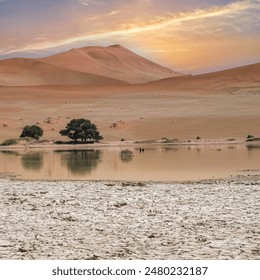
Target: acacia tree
x=33, y=131
x=81, y=129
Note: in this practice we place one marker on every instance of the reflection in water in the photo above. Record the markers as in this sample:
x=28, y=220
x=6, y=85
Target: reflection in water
x=81, y=161
x=126, y=155
x=169, y=149
x=33, y=161
x=252, y=147
x=155, y=163
x=10, y=153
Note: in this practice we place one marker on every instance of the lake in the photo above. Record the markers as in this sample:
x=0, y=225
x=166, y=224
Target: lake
x=164, y=163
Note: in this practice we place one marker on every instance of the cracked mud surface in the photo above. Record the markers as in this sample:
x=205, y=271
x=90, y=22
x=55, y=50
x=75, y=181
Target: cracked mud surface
x=99, y=220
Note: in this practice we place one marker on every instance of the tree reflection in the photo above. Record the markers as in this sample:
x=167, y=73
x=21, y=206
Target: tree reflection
x=126, y=155
x=10, y=153
x=253, y=149
x=81, y=161
x=32, y=161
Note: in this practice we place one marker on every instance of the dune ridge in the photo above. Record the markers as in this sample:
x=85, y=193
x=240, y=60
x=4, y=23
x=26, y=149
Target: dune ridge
x=30, y=72
x=235, y=77
x=221, y=105
x=113, y=65
x=114, y=61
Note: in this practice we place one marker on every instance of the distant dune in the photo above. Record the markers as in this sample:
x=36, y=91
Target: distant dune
x=221, y=105
x=30, y=72
x=235, y=77
x=115, y=65
x=114, y=61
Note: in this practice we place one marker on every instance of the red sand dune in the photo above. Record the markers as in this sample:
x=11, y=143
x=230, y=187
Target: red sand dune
x=235, y=77
x=218, y=105
x=114, y=61
x=114, y=65
x=30, y=72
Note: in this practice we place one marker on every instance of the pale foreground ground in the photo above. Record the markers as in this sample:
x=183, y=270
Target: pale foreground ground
x=101, y=220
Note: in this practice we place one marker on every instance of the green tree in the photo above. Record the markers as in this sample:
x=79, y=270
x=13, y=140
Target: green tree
x=81, y=129
x=33, y=131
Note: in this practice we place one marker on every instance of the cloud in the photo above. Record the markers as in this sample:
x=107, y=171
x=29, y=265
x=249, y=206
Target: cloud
x=230, y=10
x=190, y=37
x=160, y=23
x=88, y=2
x=113, y=13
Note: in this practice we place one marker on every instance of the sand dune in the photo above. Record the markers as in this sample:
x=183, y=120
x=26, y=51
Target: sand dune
x=114, y=61
x=114, y=65
x=30, y=72
x=219, y=105
x=235, y=77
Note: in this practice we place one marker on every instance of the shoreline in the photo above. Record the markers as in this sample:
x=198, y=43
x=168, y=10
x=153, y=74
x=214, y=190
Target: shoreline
x=133, y=182
x=111, y=220
x=145, y=143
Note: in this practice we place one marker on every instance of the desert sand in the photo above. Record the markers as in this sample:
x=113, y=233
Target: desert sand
x=217, y=111
x=115, y=220
x=86, y=66
x=24, y=72
x=95, y=83
x=114, y=61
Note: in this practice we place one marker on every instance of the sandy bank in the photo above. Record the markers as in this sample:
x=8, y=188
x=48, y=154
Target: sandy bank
x=106, y=220
x=137, y=143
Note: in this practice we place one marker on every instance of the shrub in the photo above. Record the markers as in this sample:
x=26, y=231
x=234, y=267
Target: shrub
x=9, y=142
x=81, y=129
x=33, y=131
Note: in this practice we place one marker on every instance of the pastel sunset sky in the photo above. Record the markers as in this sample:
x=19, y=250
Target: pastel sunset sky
x=192, y=36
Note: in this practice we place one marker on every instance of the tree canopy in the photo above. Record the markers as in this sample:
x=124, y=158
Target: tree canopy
x=81, y=129
x=33, y=131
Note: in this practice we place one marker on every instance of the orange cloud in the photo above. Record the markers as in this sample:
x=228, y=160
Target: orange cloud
x=172, y=37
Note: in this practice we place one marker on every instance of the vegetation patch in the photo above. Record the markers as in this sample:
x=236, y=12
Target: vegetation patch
x=253, y=139
x=81, y=129
x=9, y=142
x=33, y=131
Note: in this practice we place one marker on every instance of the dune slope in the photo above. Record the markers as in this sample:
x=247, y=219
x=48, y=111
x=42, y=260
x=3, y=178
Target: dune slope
x=222, y=105
x=114, y=61
x=30, y=72
x=239, y=77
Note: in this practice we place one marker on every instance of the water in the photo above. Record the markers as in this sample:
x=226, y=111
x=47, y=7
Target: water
x=154, y=164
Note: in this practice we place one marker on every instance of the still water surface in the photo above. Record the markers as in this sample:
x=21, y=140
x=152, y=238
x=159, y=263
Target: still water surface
x=155, y=163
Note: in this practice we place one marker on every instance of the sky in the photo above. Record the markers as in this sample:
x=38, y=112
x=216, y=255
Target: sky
x=191, y=36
